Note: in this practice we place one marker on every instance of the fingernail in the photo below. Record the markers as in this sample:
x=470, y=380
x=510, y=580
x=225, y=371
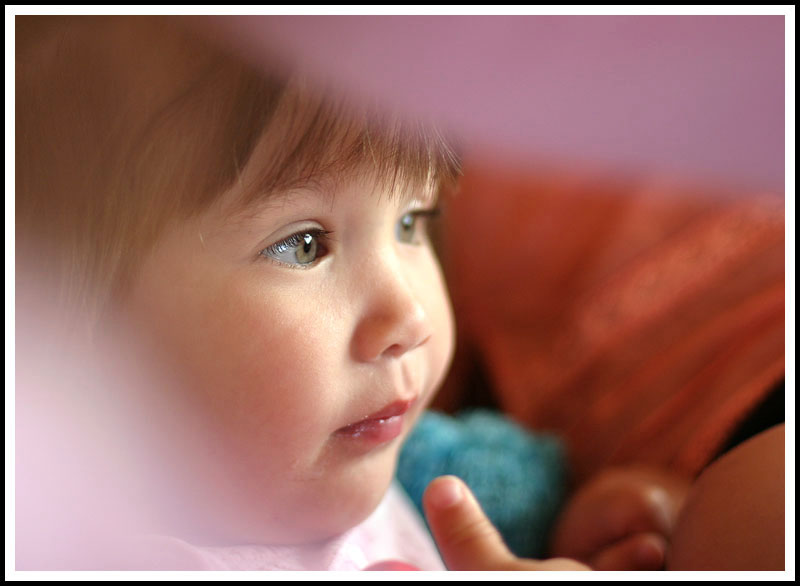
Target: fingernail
x=447, y=493
x=651, y=553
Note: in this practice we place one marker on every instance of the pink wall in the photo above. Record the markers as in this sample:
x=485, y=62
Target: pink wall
x=701, y=96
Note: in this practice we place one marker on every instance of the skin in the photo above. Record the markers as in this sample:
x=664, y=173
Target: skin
x=735, y=514
x=622, y=519
x=268, y=360
x=467, y=539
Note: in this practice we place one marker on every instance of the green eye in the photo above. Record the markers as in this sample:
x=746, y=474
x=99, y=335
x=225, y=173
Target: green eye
x=408, y=226
x=306, y=251
x=301, y=249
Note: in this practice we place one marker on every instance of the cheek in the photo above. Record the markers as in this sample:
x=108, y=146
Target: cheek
x=263, y=364
x=233, y=347
x=260, y=391
x=440, y=312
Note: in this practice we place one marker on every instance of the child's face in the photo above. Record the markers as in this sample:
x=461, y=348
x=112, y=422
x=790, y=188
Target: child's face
x=303, y=362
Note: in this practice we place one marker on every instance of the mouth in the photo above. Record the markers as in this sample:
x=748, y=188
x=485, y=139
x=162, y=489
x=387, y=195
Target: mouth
x=380, y=427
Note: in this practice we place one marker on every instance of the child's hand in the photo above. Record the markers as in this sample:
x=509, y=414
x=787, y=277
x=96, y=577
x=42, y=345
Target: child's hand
x=621, y=520
x=466, y=539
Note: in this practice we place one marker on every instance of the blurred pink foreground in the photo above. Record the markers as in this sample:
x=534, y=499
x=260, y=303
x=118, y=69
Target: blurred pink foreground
x=697, y=96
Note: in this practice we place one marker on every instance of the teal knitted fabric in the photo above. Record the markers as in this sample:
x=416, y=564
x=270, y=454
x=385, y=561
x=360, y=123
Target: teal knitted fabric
x=518, y=477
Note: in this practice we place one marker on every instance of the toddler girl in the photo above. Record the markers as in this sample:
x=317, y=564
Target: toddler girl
x=263, y=250
x=266, y=252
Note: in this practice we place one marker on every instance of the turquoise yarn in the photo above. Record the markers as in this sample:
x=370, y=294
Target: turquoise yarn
x=518, y=477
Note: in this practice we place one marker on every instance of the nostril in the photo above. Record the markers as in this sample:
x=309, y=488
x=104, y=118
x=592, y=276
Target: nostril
x=391, y=333
x=396, y=350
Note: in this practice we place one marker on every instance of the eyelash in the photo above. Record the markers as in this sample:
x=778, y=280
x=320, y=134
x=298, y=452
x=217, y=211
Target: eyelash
x=320, y=236
x=321, y=239
x=431, y=213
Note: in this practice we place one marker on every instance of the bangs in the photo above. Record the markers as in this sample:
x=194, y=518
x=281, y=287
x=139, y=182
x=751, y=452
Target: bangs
x=320, y=143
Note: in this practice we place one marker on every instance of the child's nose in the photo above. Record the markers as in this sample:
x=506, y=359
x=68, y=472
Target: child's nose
x=394, y=319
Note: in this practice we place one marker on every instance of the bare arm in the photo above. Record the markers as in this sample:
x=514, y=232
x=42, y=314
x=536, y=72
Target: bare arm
x=734, y=516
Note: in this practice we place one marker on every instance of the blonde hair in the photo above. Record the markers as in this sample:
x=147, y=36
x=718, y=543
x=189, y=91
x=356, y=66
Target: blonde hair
x=126, y=123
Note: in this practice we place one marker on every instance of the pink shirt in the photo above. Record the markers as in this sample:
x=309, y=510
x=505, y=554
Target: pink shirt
x=394, y=531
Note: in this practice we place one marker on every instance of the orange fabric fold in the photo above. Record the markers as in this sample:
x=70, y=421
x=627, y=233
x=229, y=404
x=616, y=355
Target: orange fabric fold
x=641, y=321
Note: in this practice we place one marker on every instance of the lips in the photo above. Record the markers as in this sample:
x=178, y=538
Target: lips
x=382, y=426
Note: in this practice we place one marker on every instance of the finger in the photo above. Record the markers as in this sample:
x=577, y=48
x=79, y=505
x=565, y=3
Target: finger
x=466, y=538
x=643, y=551
x=607, y=512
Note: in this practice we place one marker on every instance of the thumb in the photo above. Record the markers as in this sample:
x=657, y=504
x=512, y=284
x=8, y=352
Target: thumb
x=466, y=538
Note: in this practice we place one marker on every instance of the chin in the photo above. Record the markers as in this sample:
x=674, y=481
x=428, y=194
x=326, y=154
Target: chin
x=358, y=494
x=327, y=516
x=331, y=505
